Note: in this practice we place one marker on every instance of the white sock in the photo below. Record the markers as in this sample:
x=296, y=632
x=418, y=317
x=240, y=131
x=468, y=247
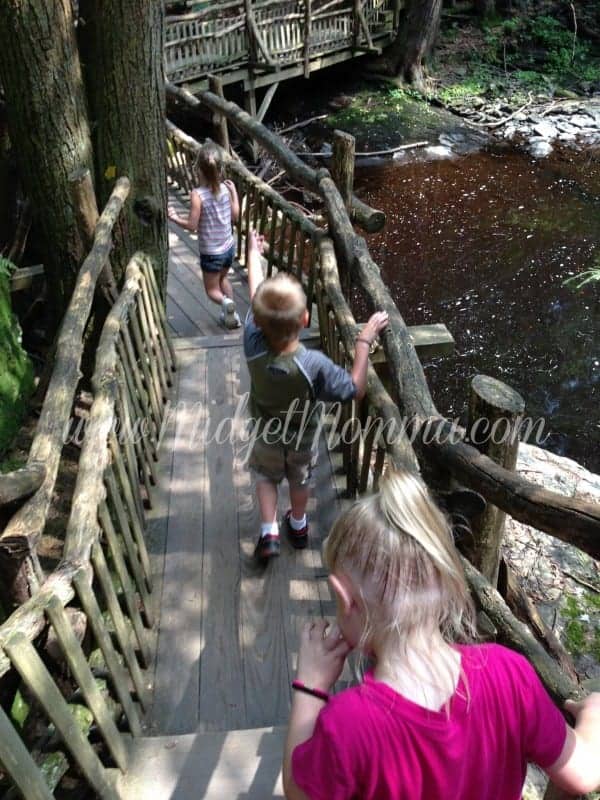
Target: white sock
x=297, y=524
x=271, y=528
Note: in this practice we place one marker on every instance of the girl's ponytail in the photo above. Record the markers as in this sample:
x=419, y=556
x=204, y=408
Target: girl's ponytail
x=397, y=547
x=210, y=163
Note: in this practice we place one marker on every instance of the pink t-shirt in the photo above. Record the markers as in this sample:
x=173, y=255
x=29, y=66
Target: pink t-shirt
x=370, y=743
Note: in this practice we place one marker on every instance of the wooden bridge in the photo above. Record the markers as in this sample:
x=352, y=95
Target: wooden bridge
x=172, y=651
x=263, y=42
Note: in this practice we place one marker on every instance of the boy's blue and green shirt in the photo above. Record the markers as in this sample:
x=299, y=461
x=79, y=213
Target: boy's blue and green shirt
x=288, y=387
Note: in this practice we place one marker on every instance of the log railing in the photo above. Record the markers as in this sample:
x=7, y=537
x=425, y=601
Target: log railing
x=19, y=539
x=377, y=429
x=104, y=577
x=271, y=34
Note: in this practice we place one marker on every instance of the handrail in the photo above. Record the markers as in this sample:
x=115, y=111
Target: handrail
x=21, y=535
x=272, y=35
x=398, y=449
x=131, y=378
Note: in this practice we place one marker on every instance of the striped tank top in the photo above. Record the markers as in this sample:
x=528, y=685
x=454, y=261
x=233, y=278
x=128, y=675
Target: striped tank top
x=214, y=229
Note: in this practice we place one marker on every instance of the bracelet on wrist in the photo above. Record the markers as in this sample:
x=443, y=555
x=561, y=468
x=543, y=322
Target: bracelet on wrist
x=362, y=339
x=318, y=693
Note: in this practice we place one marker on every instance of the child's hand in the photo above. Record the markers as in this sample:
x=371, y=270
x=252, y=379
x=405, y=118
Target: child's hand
x=230, y=185
x=171, y=214
x=323, y=651
x=374, y=326
x=257, y=242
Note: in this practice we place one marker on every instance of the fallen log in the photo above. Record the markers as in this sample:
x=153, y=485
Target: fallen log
x=21, y=484
x=523, y=607
x=366, y=153
x=371, y=220
x=516, y=634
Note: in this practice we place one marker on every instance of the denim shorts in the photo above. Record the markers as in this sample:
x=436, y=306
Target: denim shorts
x=217, y=262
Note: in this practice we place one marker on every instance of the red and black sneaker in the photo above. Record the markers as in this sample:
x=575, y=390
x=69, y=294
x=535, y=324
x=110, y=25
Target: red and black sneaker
x=299, y=539
x=267, y=547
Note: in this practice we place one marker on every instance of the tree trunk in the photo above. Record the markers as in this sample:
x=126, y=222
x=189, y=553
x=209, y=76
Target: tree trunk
x=417, y=39
x=485, y=8
x=121, y=43
x=5, y=193
x=48, y=125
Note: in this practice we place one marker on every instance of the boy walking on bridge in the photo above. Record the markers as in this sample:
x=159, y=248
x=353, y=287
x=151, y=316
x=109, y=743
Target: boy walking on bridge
x=287, y=383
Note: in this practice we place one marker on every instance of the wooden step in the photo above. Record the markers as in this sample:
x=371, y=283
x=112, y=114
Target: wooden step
x=233, y=765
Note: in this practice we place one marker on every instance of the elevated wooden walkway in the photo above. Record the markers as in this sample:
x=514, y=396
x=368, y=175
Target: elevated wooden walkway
x=228, y=628
x=189, y=645
x=263, y=42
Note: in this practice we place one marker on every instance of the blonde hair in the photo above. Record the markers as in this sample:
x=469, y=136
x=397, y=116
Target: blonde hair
x=397, y=547
x=278, y=307
x=210, y=164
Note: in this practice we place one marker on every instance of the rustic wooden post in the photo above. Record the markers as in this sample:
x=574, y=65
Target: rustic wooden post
x=250, y=103
x=398, y=5
x=215, y=85
x=495, y=412
x=356, y=22
x=342, y=169
x=307, y=36
x=87, y=216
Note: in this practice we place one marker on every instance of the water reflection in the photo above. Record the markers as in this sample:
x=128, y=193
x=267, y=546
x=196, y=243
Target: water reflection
x=483, y=243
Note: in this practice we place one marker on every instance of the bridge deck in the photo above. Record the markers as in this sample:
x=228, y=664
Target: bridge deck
x=229, y=628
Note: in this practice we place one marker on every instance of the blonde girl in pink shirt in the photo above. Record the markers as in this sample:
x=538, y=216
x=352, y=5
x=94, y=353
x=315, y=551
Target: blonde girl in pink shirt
x=435, y=717
x=214, y=205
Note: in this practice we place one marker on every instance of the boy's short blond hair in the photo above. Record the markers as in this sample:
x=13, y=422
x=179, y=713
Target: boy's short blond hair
x=278, y=307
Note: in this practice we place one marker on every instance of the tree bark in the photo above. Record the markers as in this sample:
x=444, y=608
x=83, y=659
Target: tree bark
x=417, y=39
x=485, y=8
x=121, y=46
x=48, y=125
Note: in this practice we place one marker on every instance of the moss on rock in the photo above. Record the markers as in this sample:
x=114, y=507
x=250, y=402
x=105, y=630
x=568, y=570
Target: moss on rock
x=16, y=373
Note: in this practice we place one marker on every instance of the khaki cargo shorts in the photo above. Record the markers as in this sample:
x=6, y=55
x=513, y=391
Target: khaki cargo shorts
x=274, y=462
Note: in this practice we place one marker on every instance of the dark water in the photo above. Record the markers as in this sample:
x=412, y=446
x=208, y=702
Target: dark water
x=483, y=244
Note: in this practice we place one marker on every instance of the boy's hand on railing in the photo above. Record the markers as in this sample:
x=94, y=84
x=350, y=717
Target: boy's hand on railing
x=374, y=326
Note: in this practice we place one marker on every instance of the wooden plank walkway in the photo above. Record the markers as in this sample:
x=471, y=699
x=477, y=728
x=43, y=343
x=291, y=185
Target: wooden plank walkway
x=229, y=628
x=189, y=311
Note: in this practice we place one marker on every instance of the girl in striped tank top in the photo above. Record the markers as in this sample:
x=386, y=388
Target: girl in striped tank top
x=214, y=205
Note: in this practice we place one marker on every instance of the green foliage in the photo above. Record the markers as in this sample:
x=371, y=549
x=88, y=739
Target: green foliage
x=583, y=278
x=582, y=626
x=475, y=84
x=540, y=45
x=16, y=374
x=19, y=710
x=6, y=267
x=11, y=464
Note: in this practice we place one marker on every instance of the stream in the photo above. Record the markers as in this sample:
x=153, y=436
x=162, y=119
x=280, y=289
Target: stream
x=483, y=243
